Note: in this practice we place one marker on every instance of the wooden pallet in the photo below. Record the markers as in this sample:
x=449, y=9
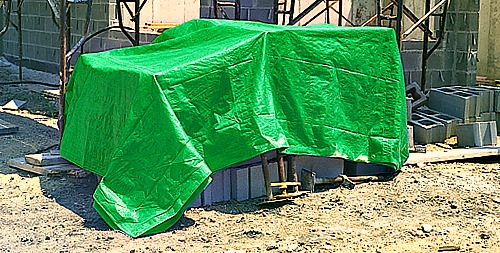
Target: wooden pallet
x=454, y=154
x=7, y=128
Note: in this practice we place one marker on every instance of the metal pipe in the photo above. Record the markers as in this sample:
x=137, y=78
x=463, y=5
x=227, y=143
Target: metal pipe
x=20, y=38
x=340, y=12
x=309, y=8
x=120, y=22
x=369, y=21
x=136, y=19
x=425, y=46
x=442, y=26
x=327, y=11
x=399, y=17
x=379, y=21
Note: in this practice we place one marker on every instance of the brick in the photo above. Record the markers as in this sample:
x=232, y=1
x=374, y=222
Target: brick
x=365, y=169
x=427, y=130
x=477, y=134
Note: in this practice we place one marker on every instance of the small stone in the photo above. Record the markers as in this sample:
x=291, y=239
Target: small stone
x=47, y=238
x=426, y=228
x=496, y=200
x=292, y=247
x=485, y=235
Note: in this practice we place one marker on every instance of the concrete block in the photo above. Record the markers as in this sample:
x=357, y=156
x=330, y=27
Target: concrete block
x=257, y=188
x=263, y=15
x=240, y=184
x=365, y=169
x=497, y=120
x=408, y=108
x=323, y=166
x=487, y=116
x=454, y=102
x=196, y=202
x=449, y=121
x=206, y=195
x=221, y=186
x=427, y=130
x=412, y=60
x=486, y=96
x=477, y=134
x=411, y=140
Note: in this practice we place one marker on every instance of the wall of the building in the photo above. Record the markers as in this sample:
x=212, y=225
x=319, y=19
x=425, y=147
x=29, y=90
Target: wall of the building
x=453, y=63
x=489, y=39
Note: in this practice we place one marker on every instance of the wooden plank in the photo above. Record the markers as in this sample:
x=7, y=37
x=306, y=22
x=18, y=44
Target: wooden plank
x=44, y=159
x=7, y=128
x=20, y=163
x=450, y=155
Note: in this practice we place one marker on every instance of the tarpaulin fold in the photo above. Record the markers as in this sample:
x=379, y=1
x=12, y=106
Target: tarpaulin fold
x=157, y=120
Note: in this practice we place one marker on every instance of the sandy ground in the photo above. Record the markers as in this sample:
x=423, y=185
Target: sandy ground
x=424, y=209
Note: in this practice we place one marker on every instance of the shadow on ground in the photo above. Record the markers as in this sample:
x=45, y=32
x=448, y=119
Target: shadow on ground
x=72, y=192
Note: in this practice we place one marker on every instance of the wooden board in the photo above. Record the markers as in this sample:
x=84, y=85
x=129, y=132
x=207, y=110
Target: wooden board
x=450, y=155
x=7, y=128
x=20, y=163
x=44, y=159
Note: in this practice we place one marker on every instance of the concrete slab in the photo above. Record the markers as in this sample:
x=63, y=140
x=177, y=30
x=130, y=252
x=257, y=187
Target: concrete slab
x=44, y=159
x=20, y=163
x=477, y=134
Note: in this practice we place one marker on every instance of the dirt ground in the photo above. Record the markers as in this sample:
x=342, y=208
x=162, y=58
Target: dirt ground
x=429, y=208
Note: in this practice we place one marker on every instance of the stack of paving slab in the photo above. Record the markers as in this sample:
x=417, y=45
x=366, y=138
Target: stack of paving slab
x=43, y=164
x=470, y=112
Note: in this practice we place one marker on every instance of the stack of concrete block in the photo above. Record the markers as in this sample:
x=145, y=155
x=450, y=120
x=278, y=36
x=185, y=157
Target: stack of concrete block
x=477, y=134
x=456, y=102
x=487, y=101
x=450, y=122
x=246, y=180
x=427, y=130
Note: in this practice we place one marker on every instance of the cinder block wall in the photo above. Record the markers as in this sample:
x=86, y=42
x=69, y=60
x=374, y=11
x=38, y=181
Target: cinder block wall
x=454, y=62
x=41, y=35
x=260, y=10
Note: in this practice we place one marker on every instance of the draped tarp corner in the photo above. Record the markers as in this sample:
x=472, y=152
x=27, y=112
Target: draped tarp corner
x=156, y=120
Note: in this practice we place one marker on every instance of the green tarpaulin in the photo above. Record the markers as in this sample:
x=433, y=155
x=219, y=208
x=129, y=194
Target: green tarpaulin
x=156, y=120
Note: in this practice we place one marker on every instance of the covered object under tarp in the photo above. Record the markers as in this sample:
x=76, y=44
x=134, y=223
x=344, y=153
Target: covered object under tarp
x=156, y=120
